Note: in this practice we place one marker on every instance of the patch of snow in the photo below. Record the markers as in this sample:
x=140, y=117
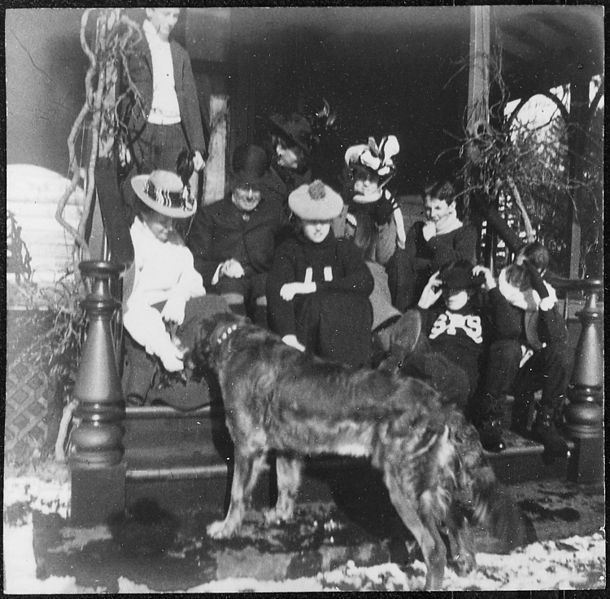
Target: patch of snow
x=576, y=562
x=46, y=496
x=20, y=566
x=77, y=538
x=240, y=585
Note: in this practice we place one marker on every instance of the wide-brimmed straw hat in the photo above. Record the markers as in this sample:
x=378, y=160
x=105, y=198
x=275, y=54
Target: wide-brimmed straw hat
x=164, y=192
x=250, y=163
x=295, y=127
x=315, y=201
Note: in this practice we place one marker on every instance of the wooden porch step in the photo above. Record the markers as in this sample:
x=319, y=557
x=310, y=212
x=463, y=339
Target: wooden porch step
x=164, y=444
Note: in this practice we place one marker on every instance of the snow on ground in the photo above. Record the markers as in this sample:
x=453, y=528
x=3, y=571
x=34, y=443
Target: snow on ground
x=572, y=563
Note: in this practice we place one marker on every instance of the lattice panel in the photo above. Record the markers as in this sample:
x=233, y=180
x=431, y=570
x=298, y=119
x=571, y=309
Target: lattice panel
x=27, y=408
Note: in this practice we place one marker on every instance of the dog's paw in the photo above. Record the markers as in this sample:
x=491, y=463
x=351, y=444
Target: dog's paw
x=277, y=516
x=464, y=563
x=219, y=530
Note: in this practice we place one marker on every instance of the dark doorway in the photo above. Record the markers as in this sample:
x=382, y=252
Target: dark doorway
x=385, y=70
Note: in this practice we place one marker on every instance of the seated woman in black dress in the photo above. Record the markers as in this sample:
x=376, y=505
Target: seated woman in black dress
x=318, y=287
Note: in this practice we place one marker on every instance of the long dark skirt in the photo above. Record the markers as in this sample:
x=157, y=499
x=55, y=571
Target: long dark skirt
x=336, y=326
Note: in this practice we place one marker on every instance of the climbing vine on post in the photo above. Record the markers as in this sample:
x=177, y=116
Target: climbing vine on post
x=107, y=36
x=524, y=170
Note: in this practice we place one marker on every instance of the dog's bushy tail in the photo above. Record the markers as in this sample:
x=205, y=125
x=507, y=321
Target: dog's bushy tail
x=491, y=503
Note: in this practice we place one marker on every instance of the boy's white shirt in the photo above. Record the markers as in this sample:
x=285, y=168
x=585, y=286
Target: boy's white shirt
x=165, y=109
x=163, y=271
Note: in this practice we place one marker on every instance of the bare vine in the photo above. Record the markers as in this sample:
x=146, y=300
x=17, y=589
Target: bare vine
x=527, y=170
x=98, y=122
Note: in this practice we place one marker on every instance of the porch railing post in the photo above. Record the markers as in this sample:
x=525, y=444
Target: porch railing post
x=96, y=459
x=584, y=413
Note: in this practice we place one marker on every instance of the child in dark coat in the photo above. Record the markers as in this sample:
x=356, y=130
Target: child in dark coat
x=528, y=351
x=441, y=239
x=400, y=342
x=455, y=328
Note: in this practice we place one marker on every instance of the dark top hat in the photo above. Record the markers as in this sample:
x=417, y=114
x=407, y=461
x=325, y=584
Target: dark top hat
x=250, y=163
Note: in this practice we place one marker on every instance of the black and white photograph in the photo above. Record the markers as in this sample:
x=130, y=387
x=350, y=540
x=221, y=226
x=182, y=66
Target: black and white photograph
x=304, y=298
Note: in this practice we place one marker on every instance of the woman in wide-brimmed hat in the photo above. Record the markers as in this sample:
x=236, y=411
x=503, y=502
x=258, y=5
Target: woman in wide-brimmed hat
x=318, y=287
x=233, y=241
x=289, y=137
x=163, y=294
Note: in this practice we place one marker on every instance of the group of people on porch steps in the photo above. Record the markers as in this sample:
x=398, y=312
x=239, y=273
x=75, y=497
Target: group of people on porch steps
x=323, y=258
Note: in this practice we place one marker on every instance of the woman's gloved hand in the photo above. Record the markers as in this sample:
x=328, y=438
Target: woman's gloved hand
x=293, y=342
x=173, y=311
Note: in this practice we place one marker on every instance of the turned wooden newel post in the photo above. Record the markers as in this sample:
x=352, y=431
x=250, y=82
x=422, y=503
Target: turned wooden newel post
x=96, y=459
x=584, y=413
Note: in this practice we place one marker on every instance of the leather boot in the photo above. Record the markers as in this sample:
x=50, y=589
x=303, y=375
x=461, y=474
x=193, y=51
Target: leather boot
x=490, y=427
x=491, y=433
x=523, y=413
x=545, y=431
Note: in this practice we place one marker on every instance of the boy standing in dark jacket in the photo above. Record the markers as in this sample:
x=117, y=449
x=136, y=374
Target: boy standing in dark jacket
x=529, y=351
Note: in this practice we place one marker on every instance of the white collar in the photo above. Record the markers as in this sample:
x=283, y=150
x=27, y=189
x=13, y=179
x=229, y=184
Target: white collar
x=449, y=224
x=527, y=300
x=151, y=34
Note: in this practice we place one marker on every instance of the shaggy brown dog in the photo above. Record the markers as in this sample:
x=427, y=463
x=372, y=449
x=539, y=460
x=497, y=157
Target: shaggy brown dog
x=276, y=397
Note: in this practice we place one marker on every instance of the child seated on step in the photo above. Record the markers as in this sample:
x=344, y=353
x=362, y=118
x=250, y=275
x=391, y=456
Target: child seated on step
x=528, y=352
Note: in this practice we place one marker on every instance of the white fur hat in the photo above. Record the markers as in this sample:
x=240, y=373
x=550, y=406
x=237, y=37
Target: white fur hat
x=316, y=201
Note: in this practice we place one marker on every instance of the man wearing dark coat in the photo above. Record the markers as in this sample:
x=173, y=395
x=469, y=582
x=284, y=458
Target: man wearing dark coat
x=233, y=241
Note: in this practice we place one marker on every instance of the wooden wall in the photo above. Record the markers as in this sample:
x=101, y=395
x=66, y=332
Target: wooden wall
x=32, y=196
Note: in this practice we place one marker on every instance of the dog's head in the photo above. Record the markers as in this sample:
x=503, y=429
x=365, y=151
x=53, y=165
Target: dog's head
x=210, y=334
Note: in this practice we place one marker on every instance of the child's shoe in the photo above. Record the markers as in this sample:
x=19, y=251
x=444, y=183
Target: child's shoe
x=545, y=431
x=491, y=434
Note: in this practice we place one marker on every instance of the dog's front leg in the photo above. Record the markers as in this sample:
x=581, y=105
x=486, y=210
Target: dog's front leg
x=288, y=482
x=245, y=474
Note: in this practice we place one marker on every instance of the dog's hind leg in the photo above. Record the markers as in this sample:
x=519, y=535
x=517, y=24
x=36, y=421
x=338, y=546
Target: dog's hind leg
x=245, y=474
x=423, y=528
x=288, y=482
